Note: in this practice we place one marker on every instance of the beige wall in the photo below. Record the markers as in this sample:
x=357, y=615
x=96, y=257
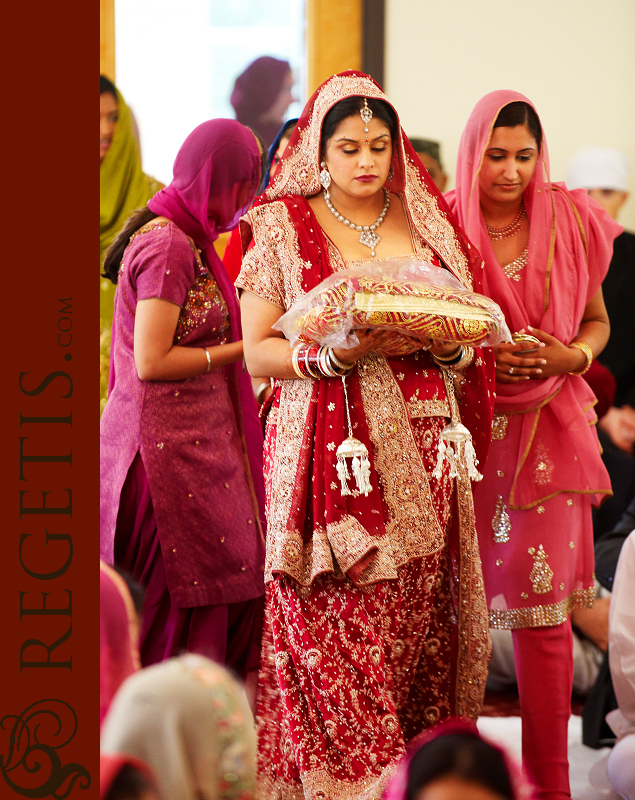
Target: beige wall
x=575, y=59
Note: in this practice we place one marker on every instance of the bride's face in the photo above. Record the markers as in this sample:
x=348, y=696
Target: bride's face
x=358, y=161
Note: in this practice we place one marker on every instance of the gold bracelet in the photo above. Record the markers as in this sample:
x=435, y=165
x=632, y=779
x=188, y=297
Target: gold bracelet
x=337, y=363
x=589, y=357
x=456, y=356
x=452, y=357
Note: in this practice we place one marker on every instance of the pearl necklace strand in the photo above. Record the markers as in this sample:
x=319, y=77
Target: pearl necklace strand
x=509, y=230
x=368, y=236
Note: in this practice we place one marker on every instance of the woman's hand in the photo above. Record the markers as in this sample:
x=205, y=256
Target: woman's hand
x=520, y=361
x=372, y=340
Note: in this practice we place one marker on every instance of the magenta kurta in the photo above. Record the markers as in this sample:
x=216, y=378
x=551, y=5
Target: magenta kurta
x=189, y=433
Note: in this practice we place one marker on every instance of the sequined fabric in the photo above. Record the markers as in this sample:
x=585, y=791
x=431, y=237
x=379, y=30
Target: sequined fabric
x=537, y=561
x=349, y=676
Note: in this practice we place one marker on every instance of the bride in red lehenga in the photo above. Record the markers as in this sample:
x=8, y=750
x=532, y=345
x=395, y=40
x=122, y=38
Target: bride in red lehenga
x=376, y=622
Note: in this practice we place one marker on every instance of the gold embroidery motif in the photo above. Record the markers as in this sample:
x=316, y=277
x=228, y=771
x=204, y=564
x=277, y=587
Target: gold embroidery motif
x=427, y=408
x=501, y=524
x=543, y=466
x=203, y=295
x=541, y=573
x=499, y=426
x=543, y=615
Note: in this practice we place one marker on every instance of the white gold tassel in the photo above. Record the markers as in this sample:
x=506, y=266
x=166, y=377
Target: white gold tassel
x=354, y=449
x=455, y=442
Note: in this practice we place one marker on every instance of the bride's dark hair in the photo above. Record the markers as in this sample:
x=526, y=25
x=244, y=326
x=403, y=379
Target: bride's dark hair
x=351, y=106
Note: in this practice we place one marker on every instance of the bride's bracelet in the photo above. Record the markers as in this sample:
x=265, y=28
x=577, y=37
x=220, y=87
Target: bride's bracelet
x=453, y=358
x=314, y=361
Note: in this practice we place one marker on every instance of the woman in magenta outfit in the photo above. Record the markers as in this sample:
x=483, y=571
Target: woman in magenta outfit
x=181, y=444
x=546, y=251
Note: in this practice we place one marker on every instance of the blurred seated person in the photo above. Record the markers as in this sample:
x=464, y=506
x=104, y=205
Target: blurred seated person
x=261, y=96
x=429, y=152
x=188, y=718
x=453, y=761
x=604, y=172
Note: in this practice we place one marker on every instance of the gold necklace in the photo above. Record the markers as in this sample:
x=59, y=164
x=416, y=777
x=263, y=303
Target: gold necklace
x=509, y=230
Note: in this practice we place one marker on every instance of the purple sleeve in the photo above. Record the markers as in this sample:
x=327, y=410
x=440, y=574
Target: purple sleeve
x=162, y=265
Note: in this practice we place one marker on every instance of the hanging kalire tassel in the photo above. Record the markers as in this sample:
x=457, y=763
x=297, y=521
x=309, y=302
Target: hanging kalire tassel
x=455, y=441
x=357, y=451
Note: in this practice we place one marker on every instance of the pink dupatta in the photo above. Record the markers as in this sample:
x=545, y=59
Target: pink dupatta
x=570, y=248
x=118, y=636
x=216, y=173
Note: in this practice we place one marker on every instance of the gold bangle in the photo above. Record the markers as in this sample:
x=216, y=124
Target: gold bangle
x=589, y=357
x=337, y=364
x=457, y=355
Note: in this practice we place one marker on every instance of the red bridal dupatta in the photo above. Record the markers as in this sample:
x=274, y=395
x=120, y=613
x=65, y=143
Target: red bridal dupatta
x=570, y=247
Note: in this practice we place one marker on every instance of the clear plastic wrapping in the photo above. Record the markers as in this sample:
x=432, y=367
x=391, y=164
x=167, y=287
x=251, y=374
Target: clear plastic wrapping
x=410, y=297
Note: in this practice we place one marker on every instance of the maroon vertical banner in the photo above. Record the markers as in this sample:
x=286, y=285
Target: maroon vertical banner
x=49, y=718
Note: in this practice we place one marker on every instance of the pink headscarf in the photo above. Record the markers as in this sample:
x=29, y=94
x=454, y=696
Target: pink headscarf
x=548, y=302
x=397, y=789
x=118, y=636
x=570, y=248
x=215, y=177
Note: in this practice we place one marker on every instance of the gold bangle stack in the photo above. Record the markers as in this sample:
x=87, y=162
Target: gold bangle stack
x=451, y=360
x=589, y=357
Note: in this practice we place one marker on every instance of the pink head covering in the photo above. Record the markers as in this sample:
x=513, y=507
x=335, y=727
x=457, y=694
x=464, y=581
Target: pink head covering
x=569, y=251
x=118, y=636
x=398, y=787
x=557, y=218
x=257, y=87
x=215, y=176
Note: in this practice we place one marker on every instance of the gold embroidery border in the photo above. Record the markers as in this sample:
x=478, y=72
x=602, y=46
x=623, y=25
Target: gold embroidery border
x=543, y=615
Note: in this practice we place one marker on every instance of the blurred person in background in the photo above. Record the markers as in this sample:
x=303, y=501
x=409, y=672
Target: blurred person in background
x=123, y=188
x=187, y=718
x=261, y=96
x=604, y=172
x=429, y=152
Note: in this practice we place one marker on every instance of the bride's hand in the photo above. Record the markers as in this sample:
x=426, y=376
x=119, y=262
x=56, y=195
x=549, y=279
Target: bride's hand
x=438, y=347
x=371, y=340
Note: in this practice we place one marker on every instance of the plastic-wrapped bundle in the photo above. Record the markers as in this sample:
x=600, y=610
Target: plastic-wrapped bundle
x=413, y=298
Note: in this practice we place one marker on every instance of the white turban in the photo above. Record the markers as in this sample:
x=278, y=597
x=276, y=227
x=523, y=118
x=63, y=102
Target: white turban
x=598, y=168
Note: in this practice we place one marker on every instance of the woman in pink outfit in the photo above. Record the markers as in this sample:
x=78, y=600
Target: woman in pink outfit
x=546, y=251
x=181, y=489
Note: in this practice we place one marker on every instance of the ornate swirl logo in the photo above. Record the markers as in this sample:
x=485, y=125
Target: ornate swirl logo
x=32, y=767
